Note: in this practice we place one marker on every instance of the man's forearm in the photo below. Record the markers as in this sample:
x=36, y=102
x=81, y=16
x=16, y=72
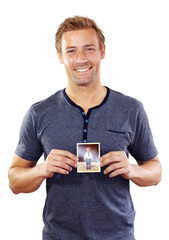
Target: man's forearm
x=147, y=173
x=25, y=180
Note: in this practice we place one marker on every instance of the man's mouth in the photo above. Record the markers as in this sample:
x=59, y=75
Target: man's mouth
x=82, y=70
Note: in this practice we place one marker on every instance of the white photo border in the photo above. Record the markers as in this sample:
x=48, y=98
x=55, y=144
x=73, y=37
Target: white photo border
x=94, y=169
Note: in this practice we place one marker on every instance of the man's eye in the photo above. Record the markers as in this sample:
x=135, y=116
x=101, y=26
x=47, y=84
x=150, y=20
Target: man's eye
x=90, y=49
x=71, y=51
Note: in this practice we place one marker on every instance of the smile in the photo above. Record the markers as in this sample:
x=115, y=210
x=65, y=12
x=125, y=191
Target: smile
x=82, y=70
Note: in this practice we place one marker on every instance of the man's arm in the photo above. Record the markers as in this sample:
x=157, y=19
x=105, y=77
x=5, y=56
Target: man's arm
x=146, y=173
x=26, y=176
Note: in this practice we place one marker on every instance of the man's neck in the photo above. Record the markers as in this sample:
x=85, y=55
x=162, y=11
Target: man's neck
x=86, y=96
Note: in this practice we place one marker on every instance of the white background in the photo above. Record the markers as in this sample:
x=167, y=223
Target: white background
x=136, y=63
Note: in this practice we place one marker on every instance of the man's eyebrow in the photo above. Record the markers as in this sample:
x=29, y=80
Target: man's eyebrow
x=87, y=45
x=68, y=47
x=90, y=45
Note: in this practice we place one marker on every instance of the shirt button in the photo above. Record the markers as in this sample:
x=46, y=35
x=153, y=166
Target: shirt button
x=85, y=141
x=85, y=130
x=83, y=113
x=86, y=121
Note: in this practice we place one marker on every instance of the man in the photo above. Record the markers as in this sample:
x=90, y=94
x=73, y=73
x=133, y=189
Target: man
x=88, y=158
x=85, y=206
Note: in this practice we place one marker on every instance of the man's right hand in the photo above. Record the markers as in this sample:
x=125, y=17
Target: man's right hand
x=58, y=161
x=26, y=176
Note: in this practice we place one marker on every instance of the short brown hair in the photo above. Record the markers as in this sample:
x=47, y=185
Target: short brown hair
x=75, y=23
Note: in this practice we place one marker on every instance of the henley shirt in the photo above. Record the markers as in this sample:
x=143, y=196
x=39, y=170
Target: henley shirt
x=87, y=206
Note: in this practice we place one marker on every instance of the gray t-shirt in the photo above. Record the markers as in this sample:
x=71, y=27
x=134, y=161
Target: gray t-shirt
x=87, y=206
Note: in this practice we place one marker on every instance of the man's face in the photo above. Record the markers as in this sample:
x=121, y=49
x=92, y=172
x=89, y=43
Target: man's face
x=81, y=56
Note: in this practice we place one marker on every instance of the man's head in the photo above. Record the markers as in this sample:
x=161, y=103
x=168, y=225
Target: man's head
x=77, y=23
x=80, y=47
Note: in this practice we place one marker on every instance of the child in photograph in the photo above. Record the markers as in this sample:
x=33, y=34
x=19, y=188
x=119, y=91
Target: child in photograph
x=88, y=158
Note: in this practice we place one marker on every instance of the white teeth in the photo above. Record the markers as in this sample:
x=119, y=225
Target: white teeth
x=82, y=69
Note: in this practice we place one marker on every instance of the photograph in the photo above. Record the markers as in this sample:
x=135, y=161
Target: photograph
x=89, y=155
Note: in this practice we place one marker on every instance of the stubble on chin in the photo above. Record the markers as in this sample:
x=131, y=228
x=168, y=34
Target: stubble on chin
x=80, y=81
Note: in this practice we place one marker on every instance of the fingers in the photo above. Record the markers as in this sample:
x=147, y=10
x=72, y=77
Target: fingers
x=64, y=153
x=60, y=161
x=53, y=169
x=60, y=166
x=61, y=158
x=116, y=170
x=112, y=157
x=117, y=162
x=113, y=167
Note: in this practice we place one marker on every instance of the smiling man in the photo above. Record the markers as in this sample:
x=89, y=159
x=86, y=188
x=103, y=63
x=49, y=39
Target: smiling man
x=86, y=206
x=81, y=53
x=81, y=56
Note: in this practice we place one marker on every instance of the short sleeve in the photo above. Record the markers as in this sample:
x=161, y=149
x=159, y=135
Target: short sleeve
x=29, y=148
x=143, y=147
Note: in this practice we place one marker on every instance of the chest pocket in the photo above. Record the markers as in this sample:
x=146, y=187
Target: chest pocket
x=115, y=140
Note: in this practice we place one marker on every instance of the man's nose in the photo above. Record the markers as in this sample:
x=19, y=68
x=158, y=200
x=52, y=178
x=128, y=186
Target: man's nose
x=81, y=57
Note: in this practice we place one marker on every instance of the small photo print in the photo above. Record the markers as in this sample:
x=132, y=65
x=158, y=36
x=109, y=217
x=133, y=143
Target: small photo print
x=89, y=155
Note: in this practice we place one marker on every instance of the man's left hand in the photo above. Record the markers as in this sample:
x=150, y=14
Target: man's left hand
x=118, y=164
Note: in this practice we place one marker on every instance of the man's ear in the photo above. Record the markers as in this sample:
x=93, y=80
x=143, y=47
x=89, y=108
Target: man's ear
x=103, y=52
x=60, y=57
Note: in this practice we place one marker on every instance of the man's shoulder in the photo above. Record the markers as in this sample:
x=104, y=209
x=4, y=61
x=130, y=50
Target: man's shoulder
x=48, y=103
x=124, y=101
